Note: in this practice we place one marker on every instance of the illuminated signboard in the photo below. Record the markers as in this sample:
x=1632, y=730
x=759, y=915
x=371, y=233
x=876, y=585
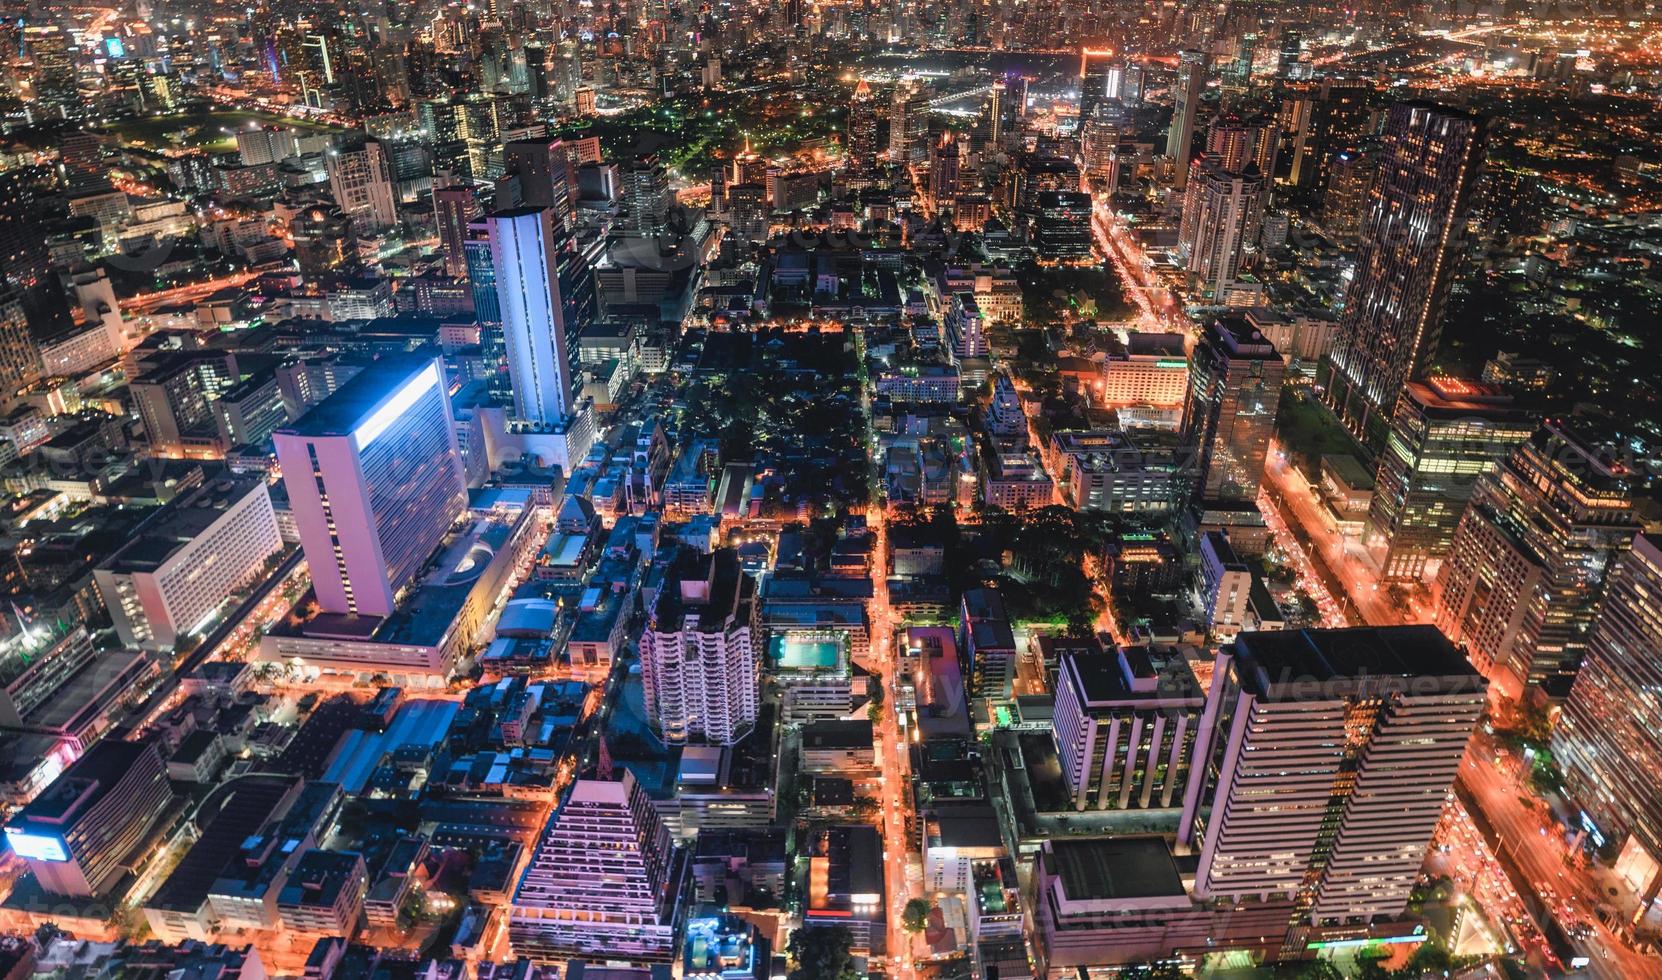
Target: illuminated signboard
x=406, y=396
x=36, y=847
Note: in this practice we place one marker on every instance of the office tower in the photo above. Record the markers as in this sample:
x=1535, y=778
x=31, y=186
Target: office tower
x=605, y=883
x=1099, y=79
x=862, y=129
x=55, y=90
x=543, y=167
x=20, y=363
x=1062, y=229
x=1323, y=120
x=1410, y=244
x=1229, y=417
x=188, y=561
x=525, y=246
x=1125, y=726
x=374, y=480
x=647, y=197
x=1445, y=433
x=481, y=272
x=908, y=124
x=454, y=207
x=1222, y=212
x=995, y=114
x=1345, y=202
x=1325, y=762
x=698, y=651
x=1608, y=742
x=944, y=167
x=79, y=833
x=538, y=81
x=360, y=178
x=1530, y=554
x=1190, y=82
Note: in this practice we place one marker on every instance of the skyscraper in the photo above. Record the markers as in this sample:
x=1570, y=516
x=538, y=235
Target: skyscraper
x=1328, y=755
x=862, y=128
x=1410, y=243
x=374, y=479
x=524, y=249
x=1190, y=82
x=1099, y=78
x=1345, y=202
x=698, y=654
x=908, y=124
x=1125, y=726
x=604, y=884
x=360, y=177
x=1234, y=391
x=647, y=196
x=944, y=167
x=454, y=207
x=1530, y=554
x=1445, y=433
x=543, y=168
x=1609, y=738
x=1222, y=212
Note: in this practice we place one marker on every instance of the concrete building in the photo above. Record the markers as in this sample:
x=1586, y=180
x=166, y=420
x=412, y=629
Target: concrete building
x=1125, y=726
x=188, y=561
x=1229, y=418
x=1329, y=754
x=699, y=655
x=604, y=883
x=374, y=479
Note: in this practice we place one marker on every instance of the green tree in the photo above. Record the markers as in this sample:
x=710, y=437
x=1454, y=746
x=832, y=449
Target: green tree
x=821, y=953
x=916, y=915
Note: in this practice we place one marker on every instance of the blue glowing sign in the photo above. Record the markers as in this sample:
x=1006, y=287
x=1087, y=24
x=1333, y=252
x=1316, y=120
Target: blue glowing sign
x=36, y=847
x=114, y=48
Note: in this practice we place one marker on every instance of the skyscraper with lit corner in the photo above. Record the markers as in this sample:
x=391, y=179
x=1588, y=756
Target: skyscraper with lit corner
x=374, y=478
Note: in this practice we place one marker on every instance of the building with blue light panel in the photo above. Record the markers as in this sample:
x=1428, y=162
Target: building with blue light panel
x=81, y=834
x=375, y=480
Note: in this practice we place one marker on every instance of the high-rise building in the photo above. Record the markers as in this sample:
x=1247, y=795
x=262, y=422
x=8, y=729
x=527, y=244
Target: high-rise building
x=862, y=128
x=605, y=882
x=1125, y=726
x=188, y=561
x=543, y=168
x=1345, y=202
x=1327, y=759
x=374, y=480
x=1232, y=143
x=481, y=272
x=945, y=164
x=647, y=197
x=360, y=178
x=525, y=245
x=1234, y=391
x=1191, y=81
x=1531, y=552
x=1410, y=244
x=20, y=361
x=79, y=833
x=1100, y=77
x=699, y=659
x=1222, y=212
x=1445, y=433
x=55, y=89
x=1062, y=227
x=1609, y=738
x=454, y=207
x=908, y=124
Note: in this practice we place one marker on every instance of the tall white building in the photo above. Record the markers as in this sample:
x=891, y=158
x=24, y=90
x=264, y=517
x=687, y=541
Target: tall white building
x=188, y=561
x=698, y=652
x=360, y=178
x=524, y=252
x=1222, y=212
x=374, y=480
x=605, y=883
x=1330, y=754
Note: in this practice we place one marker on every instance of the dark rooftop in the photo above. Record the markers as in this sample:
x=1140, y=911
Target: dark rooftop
x=1108, y=868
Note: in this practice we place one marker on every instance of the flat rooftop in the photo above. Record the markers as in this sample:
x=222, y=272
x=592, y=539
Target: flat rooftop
x=1266, y=661
x=1109, y=868
x=344, y=410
